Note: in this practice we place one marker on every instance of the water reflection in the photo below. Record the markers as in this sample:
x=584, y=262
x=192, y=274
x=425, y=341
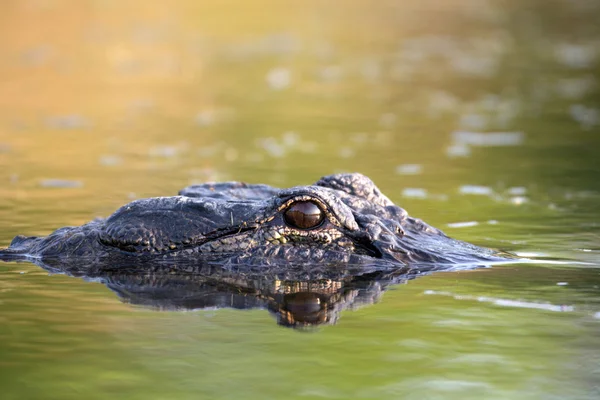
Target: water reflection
x=293, y=303
x=299, y=297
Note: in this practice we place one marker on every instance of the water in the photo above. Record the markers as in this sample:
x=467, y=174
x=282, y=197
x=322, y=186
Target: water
x=480, y=118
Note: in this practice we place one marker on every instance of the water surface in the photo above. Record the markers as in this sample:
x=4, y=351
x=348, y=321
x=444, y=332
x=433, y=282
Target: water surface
x=482, y=118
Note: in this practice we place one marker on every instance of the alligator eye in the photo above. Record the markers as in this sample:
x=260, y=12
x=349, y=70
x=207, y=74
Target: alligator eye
x=303, y=215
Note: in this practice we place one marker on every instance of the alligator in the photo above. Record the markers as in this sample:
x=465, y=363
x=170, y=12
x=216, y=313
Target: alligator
x=342, y=219
x=303, y=253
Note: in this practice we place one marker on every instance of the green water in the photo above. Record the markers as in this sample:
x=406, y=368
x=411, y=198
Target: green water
x=124, y=100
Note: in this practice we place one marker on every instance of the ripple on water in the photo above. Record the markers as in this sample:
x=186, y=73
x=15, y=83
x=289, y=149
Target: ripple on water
x=60, y=183
x=476, y=190
x=279, y=78
x=72, y=121
x=409, y=169
x=505, y=302
x=415, y=193
x=466, y=224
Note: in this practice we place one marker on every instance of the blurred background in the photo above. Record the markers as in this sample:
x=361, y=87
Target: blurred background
x=480, y=116
x=124, y=98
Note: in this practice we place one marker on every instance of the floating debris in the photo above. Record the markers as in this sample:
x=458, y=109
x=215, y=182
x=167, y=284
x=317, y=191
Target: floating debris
x=60, y=183
x=409, y=169
x=562, y=283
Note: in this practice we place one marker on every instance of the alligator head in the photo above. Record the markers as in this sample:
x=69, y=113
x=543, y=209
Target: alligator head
x=341, y=219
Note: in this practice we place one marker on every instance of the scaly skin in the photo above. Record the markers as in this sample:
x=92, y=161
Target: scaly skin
x=243, y=225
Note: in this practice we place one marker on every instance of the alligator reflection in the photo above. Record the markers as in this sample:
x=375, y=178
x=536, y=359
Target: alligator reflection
x=301, y=297
x=294, y=303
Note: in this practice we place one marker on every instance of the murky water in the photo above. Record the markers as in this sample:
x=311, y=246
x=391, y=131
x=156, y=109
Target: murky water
x=482, y=118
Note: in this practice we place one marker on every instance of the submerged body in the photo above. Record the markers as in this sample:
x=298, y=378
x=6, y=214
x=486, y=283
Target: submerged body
x=341, y=219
